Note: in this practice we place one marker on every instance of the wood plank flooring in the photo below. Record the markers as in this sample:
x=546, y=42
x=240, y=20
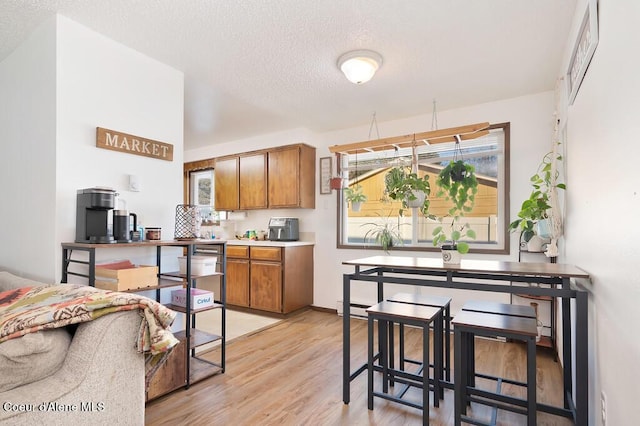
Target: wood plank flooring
x=291, y=374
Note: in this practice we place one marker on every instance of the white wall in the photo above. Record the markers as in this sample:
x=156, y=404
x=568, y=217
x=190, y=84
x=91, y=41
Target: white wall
x=66, y=80
x=27, y=163
x=102, y=83
x=603, y=200
x=531, y=120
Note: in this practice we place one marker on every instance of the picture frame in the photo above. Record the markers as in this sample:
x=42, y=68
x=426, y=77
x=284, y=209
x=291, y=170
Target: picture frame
x=583, y=49
x=326, y=167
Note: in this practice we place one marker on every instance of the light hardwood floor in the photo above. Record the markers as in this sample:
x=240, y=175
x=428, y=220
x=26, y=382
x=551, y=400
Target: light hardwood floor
x=291, y=374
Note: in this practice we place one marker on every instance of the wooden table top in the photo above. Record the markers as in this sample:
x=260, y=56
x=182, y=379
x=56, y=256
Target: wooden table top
x=477, y=266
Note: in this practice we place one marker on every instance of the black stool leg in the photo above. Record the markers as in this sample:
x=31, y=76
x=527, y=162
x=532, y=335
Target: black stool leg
x=459, y=375
x=531, y=381
x=391, y=352
x=384, y=354
x=447, y=341
x=425, y=377
x=437, y=355
x=370, y=363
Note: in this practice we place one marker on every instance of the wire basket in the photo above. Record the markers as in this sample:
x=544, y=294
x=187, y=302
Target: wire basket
x=187, y=222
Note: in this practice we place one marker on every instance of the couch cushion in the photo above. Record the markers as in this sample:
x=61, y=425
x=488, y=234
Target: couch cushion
x=8, y=281
x=32, y=357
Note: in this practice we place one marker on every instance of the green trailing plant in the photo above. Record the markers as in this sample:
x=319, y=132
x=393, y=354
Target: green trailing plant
x=535, y=207
x=354, y=194
x=458, y=183
x=450, y=235
x=405, y=186
x=386, y=234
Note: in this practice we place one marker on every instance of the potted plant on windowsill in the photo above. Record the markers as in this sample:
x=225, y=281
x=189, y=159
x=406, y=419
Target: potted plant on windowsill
x=448, y=238
x=386, y=234
x=355, y=197
x=533, y=212
x=407, y=187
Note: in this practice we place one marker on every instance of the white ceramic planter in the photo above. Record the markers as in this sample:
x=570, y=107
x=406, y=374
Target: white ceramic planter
x=420, y=196
x=355, y=206
x=450, y=256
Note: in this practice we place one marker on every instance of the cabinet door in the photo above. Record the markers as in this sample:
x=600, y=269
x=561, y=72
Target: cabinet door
x=284, y=180
x=253, y=181
x=237, y=282
x=226, y=183
x=266, y=286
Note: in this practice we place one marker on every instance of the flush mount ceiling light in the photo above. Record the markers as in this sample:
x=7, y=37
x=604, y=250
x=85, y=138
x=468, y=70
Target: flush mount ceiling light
x=359, y=66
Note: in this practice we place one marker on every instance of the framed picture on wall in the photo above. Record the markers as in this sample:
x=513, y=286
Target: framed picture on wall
x=325, y=175
x=583, y=49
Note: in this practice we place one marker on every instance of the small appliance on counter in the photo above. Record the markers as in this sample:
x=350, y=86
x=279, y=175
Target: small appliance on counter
x=283, y=229
x=92, y=215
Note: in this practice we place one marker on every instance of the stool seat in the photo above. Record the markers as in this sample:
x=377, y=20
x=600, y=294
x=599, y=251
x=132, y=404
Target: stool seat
x=427, y=300
x=386, y=313
x=500, y=308
x=420, y=299
x=497, y=324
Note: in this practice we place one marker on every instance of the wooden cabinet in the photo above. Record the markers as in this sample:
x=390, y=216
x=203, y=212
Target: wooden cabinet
x=226, y=174
x=277, y=279
x=266, y=285
x=282, y=177
x=292, y=177
x=253, y=181
x=238, y=275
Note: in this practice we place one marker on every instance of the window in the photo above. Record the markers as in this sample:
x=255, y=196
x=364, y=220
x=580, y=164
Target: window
x=199, y=184
x=489, y=217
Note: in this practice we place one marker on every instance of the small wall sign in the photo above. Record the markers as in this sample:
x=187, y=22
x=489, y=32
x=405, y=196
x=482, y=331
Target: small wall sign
x=583, y=49
x=124, y=142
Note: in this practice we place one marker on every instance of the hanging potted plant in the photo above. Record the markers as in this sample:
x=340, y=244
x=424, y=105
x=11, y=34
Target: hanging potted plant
x=533, y=214
x=408, y=188
x=354, y=197
x=458, y=183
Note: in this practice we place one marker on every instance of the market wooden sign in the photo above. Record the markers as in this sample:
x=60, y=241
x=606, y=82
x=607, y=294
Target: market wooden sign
x=124, y=142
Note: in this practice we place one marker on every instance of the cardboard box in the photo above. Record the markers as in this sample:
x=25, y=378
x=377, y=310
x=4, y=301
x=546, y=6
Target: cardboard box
x=199, y=298
x=200, y=265
x=121, y=277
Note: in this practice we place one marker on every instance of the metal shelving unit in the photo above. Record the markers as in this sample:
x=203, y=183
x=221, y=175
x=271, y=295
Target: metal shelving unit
x=197, y=368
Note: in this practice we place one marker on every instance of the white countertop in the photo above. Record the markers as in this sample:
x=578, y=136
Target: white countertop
x=269, y=243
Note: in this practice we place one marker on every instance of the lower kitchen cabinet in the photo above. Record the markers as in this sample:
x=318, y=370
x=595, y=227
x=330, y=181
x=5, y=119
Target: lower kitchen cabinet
x=266, y=285
x=238, y=282
x=268, y=278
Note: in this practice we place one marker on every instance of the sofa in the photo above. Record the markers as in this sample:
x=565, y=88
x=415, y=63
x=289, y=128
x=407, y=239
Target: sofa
x=90, y=373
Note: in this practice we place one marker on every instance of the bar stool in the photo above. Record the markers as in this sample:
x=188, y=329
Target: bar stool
x=468, y=324
x=441, y=302
x=403, y=313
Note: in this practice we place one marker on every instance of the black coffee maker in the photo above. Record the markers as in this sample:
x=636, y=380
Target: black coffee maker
x=92, y=215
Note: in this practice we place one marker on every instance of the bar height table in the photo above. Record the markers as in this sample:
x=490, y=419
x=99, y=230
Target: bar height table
x=540, y=279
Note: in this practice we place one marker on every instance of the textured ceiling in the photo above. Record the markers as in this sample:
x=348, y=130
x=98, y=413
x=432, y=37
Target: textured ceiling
x=258, y=66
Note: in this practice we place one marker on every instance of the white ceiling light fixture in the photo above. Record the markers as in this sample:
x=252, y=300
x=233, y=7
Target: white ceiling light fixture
x=359, y=66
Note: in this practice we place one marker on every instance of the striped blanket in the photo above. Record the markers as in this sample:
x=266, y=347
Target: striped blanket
x=30, y=309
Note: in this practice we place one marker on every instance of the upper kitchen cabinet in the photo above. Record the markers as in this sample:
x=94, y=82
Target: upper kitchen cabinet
x=226, y=183
x=291, y=176
x=253, y=181
x=282, y=177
